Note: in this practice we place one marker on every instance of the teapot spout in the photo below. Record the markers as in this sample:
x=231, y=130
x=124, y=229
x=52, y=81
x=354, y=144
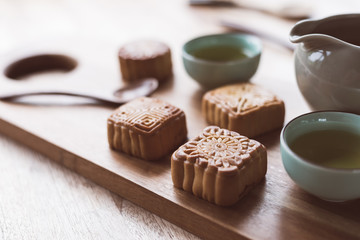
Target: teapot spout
x=314, y=34
x=338, y=29
x=302, y=31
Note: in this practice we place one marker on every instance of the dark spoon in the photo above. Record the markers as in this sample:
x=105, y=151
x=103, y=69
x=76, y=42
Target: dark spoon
x=272, y=38
x=291, y=11
x=129, y=92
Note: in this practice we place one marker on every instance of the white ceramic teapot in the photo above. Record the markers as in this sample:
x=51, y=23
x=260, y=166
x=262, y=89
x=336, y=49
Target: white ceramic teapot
x=327, y=62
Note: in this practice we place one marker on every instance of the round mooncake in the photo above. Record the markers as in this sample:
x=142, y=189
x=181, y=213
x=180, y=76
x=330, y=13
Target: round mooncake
x=145, y=58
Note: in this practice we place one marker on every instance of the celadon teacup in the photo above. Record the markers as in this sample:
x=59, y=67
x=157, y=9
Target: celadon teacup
x=331, y=184
x=209, y=73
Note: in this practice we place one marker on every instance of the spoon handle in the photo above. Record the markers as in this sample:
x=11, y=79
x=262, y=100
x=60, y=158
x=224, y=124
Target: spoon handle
x=143, y=87
x=290, y=11
x=263, y=35
x=287, y=10
x=101, y=99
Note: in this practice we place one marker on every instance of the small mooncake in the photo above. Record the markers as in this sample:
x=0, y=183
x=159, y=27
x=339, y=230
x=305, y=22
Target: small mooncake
x=244, y=108
x=147, y=128
x=219, y=166
x=145, y=58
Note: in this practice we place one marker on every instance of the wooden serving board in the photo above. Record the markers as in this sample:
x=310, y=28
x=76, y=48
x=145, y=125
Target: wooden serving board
x=75, y=136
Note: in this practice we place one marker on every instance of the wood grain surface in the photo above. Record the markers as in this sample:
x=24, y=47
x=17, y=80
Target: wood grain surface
x=43, y=200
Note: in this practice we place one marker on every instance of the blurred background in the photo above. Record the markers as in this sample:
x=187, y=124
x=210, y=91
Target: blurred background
x=31, y=20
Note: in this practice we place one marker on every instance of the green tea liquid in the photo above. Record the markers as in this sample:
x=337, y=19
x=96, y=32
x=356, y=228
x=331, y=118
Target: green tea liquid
x=329, y=148
x=219, y=53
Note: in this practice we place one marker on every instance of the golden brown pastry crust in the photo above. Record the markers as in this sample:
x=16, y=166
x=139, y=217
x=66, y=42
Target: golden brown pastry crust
x=147, y=128
x=146, y=58
x=244, y=108
x=219, y=165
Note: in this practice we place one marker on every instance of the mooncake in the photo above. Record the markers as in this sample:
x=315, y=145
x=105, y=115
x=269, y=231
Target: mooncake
x=147, y=128
x=219, y=165
x=145, y=58
x=245, y=108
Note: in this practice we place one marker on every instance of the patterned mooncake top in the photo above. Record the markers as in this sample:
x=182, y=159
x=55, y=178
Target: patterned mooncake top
x=242, y=97
x=144, y=114
x=143, y=49
x=221, y=148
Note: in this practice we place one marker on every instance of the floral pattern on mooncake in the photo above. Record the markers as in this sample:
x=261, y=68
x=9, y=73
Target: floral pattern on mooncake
x=219, y=165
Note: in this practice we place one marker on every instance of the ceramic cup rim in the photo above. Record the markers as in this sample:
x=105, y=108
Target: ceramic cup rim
x=284, y=144
x=254, y=40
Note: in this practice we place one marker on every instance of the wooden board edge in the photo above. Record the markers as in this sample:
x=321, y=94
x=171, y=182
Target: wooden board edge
x=183, y=217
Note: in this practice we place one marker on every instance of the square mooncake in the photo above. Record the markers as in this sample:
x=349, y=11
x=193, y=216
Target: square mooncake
x=219, y=165
x=244, y=108
x=147, y=128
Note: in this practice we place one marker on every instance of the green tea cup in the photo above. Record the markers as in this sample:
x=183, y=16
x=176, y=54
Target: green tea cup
x=220, y=59
x=320, y=150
